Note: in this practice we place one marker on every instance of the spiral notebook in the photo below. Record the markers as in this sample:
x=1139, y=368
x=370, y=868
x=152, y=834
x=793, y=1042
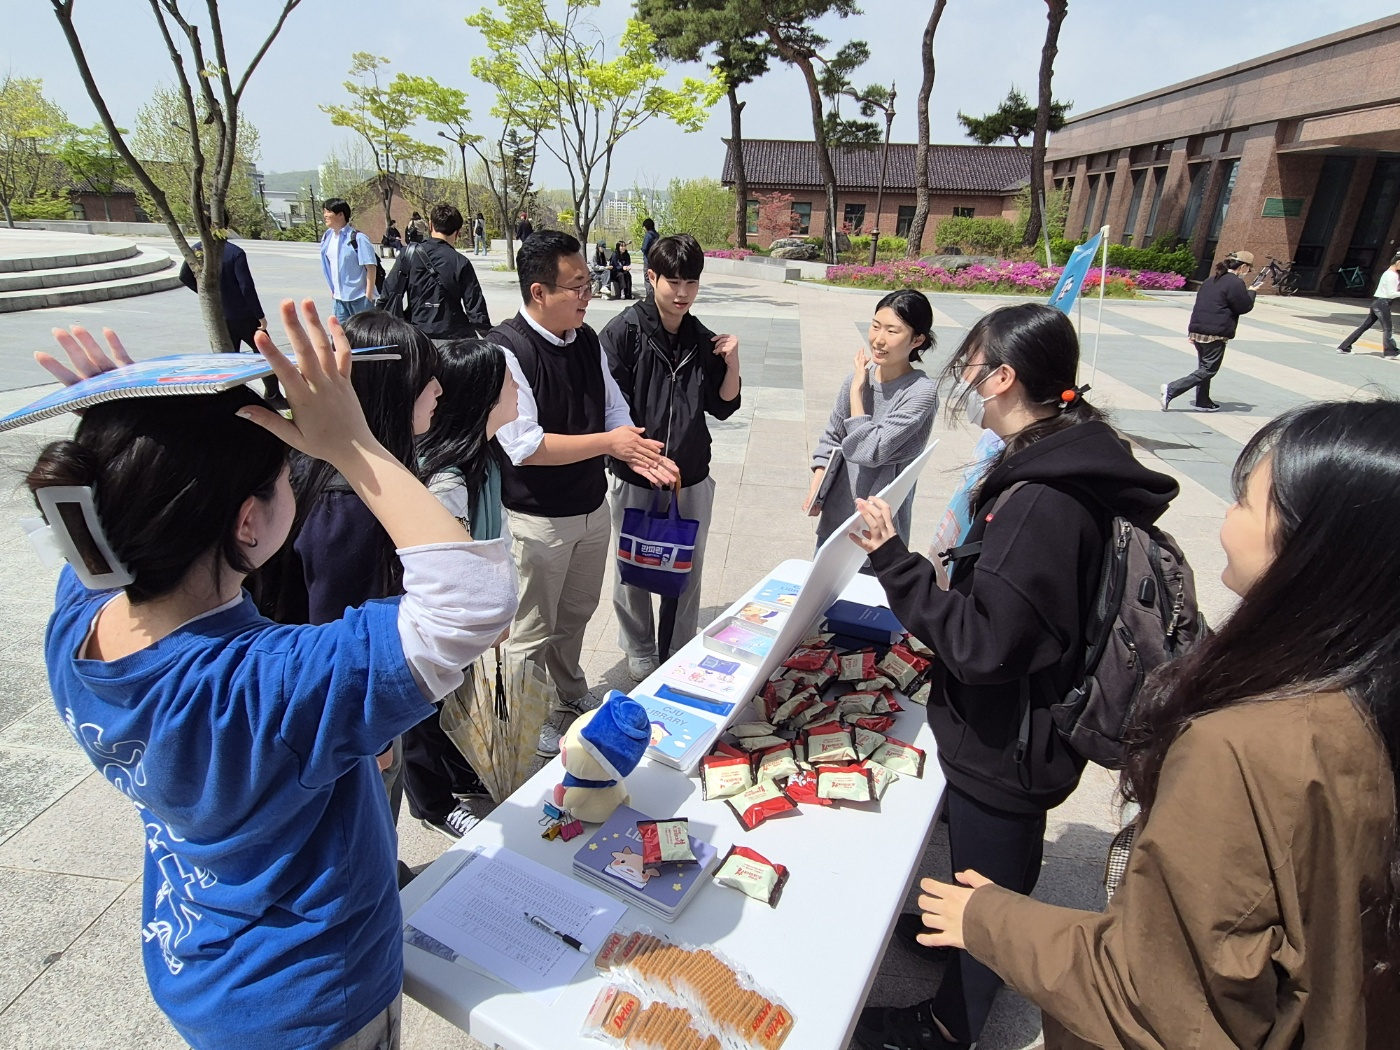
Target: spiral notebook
x=161, y=377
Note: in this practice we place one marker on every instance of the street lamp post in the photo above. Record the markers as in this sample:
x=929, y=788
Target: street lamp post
x=880, y=191
x=466, y=186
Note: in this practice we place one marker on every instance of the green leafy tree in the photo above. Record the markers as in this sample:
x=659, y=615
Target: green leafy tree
x=1014, y=119
x=161, y=138
x=30, y=129
x=703, y=208
x=90, y=157
x=208, y=92
x=382, y=115
x=685, y=31
x=1056, y=10
x=447, y=108
x=921, y=189
x=585, y=99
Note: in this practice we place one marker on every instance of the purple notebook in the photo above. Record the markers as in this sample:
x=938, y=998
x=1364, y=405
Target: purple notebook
x=612, y=859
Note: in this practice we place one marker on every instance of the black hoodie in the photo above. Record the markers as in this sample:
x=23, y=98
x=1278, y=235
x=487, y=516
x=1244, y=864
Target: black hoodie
x=1019, y=610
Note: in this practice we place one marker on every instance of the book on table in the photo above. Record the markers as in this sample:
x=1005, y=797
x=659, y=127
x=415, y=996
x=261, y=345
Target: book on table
x=612, y=860
x=676, y=734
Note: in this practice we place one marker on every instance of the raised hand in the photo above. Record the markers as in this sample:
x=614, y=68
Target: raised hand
x=87, y=357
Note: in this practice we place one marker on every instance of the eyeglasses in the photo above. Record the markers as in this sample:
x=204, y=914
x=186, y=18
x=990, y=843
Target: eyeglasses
x=581, y=291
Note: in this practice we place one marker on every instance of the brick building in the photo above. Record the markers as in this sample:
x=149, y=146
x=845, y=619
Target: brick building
x=1294, y=155
x=975, y=181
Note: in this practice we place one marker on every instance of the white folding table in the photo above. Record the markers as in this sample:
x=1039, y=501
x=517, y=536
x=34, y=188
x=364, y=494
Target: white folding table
x=818, y=950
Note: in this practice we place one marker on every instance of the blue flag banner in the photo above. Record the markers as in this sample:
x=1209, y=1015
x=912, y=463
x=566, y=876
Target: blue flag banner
x=1072, y=280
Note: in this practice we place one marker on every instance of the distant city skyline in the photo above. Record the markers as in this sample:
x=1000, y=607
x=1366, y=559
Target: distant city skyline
x=1109, y=50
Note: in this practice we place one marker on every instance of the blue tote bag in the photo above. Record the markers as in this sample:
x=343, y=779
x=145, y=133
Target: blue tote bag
x=656, y=548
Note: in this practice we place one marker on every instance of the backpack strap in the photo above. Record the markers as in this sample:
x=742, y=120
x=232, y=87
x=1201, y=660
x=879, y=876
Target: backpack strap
x=973, y=550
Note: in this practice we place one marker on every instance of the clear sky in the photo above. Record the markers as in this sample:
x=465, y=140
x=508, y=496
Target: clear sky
x=1109, y=50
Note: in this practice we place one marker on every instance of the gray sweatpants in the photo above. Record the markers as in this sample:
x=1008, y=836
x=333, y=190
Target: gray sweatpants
x=636, y=624
x=382, y=1032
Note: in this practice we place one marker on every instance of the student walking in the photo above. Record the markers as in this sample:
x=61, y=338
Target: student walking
x=1222, y=299
x=882, y=418
x=1009, y=630
x=271, y=912
x=435, y=286
x=571, y=416
x=649, y=238
x=1387, y=291
x=348, y=261
x=1261, y=904
x=673, y=371
x=479, y=244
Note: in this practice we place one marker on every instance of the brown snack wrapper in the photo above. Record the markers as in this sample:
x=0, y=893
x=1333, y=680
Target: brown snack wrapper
x=846, y=783
x=827, y=745
x=752, y=874
x=760, y=802
x=722, y=775
x=901, y=757
x=776, y=763
x=881, y=778
x=665, y=840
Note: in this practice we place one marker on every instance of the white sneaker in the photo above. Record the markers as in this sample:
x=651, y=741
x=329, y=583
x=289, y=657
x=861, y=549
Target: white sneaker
x=587, y=702
x=641, y=667
x=548, y=745
x=1166, y=397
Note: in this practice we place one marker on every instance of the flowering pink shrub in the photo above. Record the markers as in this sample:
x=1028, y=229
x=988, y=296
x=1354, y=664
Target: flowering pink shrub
x=1005, y=278
x=730, y=253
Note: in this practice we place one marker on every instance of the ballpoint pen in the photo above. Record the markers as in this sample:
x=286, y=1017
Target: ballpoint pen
x=541, y=924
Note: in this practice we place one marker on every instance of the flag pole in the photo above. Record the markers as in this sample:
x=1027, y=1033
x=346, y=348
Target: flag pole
x=1103, y=283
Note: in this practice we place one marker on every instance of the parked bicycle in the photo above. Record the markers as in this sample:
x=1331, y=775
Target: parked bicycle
x=1348, y=280
x=1285, y=280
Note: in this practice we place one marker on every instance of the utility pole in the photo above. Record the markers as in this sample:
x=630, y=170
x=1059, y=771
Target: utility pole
x=884, y=164
x=466, y=186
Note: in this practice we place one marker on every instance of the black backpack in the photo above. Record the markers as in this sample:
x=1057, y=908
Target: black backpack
x=1144, y=615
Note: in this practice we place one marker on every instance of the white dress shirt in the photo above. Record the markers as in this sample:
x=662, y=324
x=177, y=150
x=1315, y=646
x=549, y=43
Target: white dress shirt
x=521, y=437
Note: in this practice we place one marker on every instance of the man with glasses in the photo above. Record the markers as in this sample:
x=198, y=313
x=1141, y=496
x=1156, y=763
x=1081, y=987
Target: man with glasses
x=571, y=417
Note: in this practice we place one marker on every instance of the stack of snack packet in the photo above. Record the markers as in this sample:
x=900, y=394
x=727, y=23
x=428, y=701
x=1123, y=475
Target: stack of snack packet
x=823, y=737
x=679, y=997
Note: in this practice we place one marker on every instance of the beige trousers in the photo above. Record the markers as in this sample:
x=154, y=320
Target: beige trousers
x=382, y=1033
x=560, y=562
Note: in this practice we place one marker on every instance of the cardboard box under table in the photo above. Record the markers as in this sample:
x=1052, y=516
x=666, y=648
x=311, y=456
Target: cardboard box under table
x=818, y=950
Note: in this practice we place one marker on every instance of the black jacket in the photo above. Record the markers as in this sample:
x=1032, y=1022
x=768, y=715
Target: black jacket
x=1219, y=304
x=1018, y=611
x=668, y=394
x=447, y=304
x=236, y=289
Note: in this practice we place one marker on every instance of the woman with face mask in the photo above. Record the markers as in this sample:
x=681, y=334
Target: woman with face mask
x=1009, y=630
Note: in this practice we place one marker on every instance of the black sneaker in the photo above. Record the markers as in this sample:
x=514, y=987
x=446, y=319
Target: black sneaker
x=1391, y=355
x=1343, y=349
x=901, y=1028
x=1209, y=407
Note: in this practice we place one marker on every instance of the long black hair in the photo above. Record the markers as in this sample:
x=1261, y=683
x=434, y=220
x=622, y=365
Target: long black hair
x=168, y=475
x=1335, y=496
x=1039, y=344
x=913, y=308
x=471, y=372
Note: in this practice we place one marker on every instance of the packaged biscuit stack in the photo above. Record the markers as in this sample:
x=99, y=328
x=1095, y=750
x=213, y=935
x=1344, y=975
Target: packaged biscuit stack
x=719, y=999
x=620, y=1018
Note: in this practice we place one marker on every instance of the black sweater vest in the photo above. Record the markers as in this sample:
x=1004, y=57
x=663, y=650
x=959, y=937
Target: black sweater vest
x=567, y=382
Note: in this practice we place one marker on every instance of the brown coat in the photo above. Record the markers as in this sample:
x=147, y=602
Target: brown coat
x=1237, y=923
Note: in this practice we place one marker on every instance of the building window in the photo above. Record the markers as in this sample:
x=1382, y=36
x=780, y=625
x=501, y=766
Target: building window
x=751, y=210
x=1193, y=201
x=803, y=211
x=964, y=213
x=1229, y=169
x=1134, y=206
x=1159, y=180
x=905, y=221
x=1089, y=205
x=854, y=217
x=1107, y=199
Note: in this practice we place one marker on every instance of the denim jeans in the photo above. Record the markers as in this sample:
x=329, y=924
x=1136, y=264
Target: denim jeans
x=1380, y=312
x=344, y=310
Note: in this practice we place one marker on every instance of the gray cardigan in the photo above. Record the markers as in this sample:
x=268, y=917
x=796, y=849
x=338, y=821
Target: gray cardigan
x=877, y=446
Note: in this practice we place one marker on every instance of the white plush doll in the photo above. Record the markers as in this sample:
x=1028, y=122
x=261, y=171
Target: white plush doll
x=598, y=751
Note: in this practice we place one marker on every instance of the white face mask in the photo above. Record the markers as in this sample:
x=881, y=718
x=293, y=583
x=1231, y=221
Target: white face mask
x=975, y=407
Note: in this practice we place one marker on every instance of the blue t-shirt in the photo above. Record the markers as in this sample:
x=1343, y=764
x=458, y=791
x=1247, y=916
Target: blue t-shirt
x=271, y=913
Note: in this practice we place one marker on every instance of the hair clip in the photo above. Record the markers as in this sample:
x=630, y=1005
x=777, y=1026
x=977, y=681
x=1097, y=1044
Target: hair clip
x=1068, y=396
x=72, y=531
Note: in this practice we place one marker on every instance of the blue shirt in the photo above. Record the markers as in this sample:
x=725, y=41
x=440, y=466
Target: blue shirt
x=344, y=262
x=271, y=910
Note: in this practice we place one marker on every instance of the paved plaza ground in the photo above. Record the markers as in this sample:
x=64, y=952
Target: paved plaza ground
x=71, y=846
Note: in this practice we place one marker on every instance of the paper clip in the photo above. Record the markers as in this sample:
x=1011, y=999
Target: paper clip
x=552, y=832
x=572, y=830
x=553, y=812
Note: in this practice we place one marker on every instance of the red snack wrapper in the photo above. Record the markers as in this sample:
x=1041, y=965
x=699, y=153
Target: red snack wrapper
x=802, y=788
x=758, y=803
x=857, y=666
x=776, y=762
x=855, y=704
x=728, y=750
x=807, y=659
x=722, y=775
x=806, y=679
x=752, y=874
x=775, y=694
x=829, y=744
x=921, y=694
x=875, y=723
x=816, y=712
x=903, y=665
x=665, y=840
x=917, y=646
x=791, y=712
x=850, y=783
x=881, y=778
x=900, y=757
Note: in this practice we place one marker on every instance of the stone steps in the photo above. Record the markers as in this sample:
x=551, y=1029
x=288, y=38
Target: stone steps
x=39, y=270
